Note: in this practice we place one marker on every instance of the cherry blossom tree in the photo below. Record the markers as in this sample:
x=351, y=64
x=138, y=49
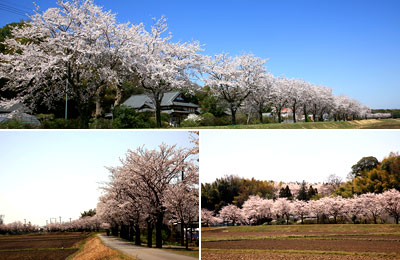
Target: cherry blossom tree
x=149, y=185
x=301, y=209
x=261, y=97
x=162, y=65
x=283, y=207
x=207, y=217
x=71, y=50
x=280, y=95
x=372, y=206
x=234, y=79
x=232, y=214
x=390, y=202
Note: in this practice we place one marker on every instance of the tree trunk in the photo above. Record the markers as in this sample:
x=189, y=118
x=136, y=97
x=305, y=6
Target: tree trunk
x=98, y=99
x=137, y=235
x=294, y=113
x=305, y=113
x=149, y=234
x=131, y=232
x=260, y=114
x=279, y=117
x=159, y=224
x=118, y=96
x=233, y=113
x=182, y=233
x=187, y=240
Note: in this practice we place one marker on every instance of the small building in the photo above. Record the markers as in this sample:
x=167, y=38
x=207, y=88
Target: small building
x=173, y=103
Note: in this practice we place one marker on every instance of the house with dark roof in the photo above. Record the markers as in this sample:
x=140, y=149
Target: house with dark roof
x=173, y=103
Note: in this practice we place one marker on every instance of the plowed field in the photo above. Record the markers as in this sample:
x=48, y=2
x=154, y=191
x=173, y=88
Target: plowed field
x=57, y=246
x=302, y=242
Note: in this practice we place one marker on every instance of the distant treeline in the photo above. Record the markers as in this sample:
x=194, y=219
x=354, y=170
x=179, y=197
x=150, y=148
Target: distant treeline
x=367, y=175
x=395, y=112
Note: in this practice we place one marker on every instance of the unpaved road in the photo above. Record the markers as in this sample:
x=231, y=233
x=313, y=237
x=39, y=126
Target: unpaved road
x=142, y=253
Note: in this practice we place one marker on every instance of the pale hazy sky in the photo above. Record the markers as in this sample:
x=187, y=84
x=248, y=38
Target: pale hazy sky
x=48, y=174
x=290, y=155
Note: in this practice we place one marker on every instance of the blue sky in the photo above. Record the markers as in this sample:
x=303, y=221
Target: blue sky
x=351, y=46
x=290, y=155
x=48, y=174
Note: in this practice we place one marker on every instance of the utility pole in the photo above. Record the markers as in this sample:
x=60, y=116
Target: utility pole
x=66, y=99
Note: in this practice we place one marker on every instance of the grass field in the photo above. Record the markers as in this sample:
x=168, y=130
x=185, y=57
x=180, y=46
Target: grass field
x=356, y=124
x=340, y=241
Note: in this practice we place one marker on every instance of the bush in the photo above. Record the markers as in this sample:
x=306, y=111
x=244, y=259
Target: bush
x=208, y=119
x=192, y=121
x=16, y=124
x=100, y=123
x=61, y=123
x=125, y=117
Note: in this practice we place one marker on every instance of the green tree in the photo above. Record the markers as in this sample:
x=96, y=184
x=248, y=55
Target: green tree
x=285, y=193
x=373, y=176
x=89, y=213
x=303, y=193
x=363, y=165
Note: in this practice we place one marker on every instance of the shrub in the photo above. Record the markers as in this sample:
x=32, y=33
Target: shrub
x=191, y=121
x=208, y=119
x=100, y=123
x=61, y=123
x=125, y=117
x=16, y=124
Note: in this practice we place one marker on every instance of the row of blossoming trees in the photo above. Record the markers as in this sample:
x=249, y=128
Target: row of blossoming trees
x=80, y=50
x=369, y=207
x=151, y=189
x=86, y=224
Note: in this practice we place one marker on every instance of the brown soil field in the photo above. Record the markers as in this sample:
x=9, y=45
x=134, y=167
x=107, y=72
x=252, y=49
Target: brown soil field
x=279, y=256
x=56, y=240
x=40, y=246
x=59, y=254
x=327, y=241
x=309, y=244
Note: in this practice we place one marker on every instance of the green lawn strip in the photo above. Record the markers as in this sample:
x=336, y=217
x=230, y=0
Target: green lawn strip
x=356, y=124
x=317, y=237
x=385, y=255
x=194, y=252
x=315, y=228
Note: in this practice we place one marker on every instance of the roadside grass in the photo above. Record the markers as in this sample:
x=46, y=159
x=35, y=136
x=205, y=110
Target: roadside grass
x=194, y=252
x=356, y=124
x=309, y=252
x=93, y=249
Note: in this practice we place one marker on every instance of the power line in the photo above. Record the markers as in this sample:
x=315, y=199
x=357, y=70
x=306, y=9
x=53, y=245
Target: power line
x=11, y=9
x=18, y=6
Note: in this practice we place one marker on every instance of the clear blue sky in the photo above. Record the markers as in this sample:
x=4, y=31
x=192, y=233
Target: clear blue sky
x=290, y=155
x=48, y=174
x=351, y=46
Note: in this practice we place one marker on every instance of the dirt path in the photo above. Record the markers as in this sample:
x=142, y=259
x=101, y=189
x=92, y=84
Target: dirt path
x=142, y=253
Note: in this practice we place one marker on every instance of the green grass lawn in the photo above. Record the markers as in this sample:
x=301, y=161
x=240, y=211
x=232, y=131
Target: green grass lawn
x=356, y=124
x=323, y=228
